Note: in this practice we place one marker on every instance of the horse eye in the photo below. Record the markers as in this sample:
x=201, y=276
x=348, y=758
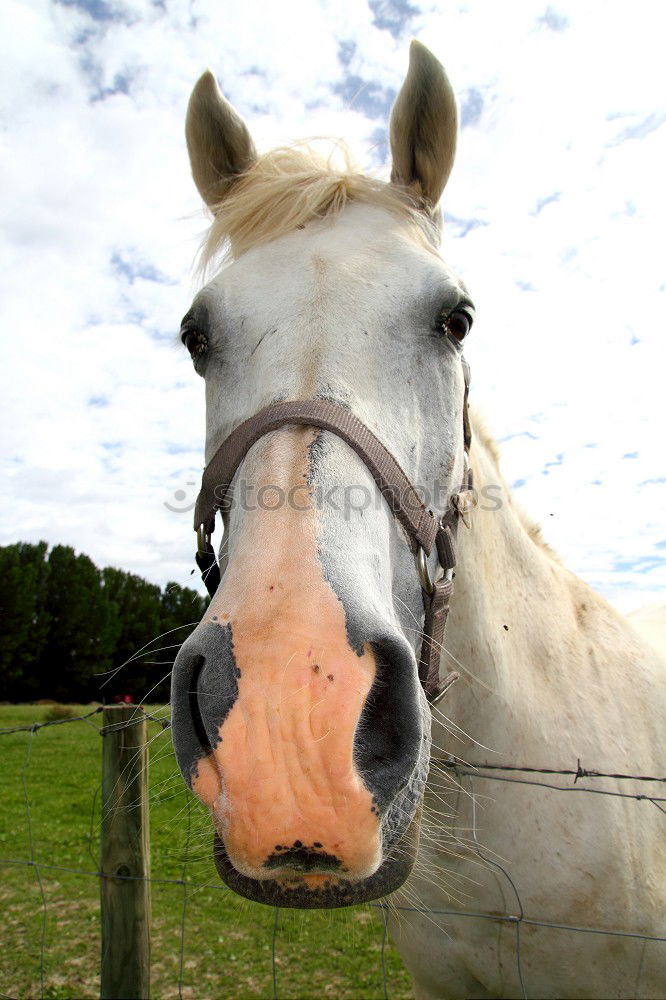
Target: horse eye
x=458, y=324
x=196, y=342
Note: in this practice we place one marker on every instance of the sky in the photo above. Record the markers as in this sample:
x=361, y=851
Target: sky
x=554, y=216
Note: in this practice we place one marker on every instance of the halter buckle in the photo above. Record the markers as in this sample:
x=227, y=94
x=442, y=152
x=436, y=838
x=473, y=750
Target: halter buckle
x=428, y=584
x=465, y=502
x=204, y=543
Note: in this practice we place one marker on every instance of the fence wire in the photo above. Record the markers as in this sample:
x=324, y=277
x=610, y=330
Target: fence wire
x=452, y=764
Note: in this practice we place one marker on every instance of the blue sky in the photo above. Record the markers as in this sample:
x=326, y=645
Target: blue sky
x=554, y=216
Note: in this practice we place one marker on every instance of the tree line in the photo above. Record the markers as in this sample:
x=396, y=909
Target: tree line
x=67, y=626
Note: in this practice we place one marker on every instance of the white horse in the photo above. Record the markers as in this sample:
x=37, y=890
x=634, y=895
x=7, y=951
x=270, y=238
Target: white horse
x=298, y=717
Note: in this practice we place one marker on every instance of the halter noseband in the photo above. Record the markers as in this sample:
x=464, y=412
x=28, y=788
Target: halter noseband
x=425, y=529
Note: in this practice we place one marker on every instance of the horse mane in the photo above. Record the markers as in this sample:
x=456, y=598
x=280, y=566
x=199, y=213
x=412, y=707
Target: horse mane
x=290, y=186
x=481, y=434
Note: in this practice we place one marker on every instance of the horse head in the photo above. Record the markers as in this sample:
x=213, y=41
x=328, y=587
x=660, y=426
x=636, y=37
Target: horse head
x=298, y=716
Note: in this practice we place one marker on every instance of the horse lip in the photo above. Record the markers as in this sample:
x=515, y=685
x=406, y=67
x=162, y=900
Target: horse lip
x=338, y=892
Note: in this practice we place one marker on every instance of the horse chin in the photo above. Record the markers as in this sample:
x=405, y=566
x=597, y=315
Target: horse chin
x=324, y=892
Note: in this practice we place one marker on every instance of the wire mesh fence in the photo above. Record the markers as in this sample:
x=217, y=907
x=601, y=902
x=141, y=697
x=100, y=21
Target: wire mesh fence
x=268, y=978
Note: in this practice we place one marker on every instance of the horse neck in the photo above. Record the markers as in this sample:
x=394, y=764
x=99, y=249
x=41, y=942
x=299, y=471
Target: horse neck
x=523, y=631
x=503, y=567
x=549, y=671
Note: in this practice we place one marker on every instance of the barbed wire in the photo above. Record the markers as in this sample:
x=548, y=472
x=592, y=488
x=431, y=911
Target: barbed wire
x=164, y=721
x=580, y=772
x=454, y=764
x=34, y=726
x=473, y=771
x=389, y=908
x=516, y=918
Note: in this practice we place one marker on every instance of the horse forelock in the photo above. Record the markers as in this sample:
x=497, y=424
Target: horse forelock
x=288, y=187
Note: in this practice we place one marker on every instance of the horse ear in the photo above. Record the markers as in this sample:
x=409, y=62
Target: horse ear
x=218, y=141
x=424, y=127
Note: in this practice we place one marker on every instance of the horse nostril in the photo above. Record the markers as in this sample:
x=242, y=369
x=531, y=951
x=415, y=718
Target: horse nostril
x=391, y=725
x=204, y=687
x=303, y=859
x=198, y=664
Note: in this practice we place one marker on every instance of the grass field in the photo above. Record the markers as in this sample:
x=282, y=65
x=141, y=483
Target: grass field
x=227, y=940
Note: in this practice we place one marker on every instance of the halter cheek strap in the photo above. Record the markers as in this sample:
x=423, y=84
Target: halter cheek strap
x=425, y=529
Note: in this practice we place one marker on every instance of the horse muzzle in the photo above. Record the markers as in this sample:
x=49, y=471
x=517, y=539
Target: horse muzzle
x=311, y=757
x=325, y=890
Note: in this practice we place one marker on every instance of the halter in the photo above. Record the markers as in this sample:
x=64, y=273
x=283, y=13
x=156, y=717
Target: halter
x=425, y=529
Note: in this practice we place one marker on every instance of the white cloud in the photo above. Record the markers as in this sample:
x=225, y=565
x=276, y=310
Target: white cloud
x=562, y=162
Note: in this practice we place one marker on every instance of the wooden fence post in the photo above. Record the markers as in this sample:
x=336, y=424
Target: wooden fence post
x=125, y=851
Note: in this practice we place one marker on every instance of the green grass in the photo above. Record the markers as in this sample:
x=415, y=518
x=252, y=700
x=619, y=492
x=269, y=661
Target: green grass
x=227, y=940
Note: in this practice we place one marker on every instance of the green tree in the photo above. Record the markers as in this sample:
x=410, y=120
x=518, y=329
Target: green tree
x=82, y=634
x=23, y=581
x=74, y=632
x=136, y=611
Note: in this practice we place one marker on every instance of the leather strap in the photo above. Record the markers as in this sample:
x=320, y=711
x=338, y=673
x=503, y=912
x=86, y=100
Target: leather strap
x=436, y=603
x=424, y=528
x=402, y=498
x=436, y=613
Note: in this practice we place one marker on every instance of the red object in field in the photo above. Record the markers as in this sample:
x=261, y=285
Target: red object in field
x=126, y=699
